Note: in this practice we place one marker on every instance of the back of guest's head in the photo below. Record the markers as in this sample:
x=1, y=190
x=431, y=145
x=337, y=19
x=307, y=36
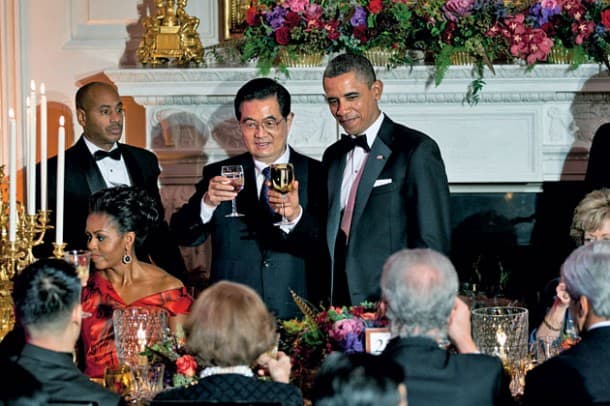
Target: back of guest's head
x=590, y=214
x=260, y=89
x=230, y=325
x=45, y=293
x=129, y=207
x=346, y=63
x=358, y=379
x=84, y=92
x=419, y=287
x=586, y=272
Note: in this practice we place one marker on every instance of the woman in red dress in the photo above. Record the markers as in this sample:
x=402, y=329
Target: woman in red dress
x=119, y=220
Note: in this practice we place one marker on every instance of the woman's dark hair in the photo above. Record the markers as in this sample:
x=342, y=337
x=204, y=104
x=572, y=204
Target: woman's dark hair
x=131, y=208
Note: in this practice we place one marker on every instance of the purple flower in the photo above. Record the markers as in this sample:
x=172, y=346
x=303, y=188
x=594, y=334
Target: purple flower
x=359, y=17
x=343, y=327
x=275, y=18
x=542, y=14
x=454, y=9
x=352, y=343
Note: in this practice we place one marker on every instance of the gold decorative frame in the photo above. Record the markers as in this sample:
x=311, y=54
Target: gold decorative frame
x=234, y=16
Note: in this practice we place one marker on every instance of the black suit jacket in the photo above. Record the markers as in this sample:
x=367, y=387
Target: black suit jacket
x=409, y=212
x=83, y=178
x=60, y=378
x=226, y=388
x=435, y=376
x=577, y=376
x=249, y=249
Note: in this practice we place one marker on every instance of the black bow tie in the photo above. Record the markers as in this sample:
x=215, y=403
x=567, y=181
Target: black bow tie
x=356, y=141
x=101, y=154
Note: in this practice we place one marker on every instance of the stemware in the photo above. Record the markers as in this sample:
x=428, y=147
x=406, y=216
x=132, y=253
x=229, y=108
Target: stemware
x=282, y=176
x=235, y=174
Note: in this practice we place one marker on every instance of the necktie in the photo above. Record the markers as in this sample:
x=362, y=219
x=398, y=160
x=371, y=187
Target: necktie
x=348, y=211
x=356, y=141
x=101, y=154
x=264, y=199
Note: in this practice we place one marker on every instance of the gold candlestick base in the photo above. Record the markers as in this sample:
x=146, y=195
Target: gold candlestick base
x=58, y=250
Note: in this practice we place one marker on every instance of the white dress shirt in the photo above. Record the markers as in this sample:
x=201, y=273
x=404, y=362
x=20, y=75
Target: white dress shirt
x=113, y=171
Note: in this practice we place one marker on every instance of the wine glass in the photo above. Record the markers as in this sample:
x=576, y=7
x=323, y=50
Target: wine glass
x=282, y=176
x=235, y=174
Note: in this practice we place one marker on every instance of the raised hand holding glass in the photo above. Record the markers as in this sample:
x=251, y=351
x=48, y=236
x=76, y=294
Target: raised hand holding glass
x=282, y=176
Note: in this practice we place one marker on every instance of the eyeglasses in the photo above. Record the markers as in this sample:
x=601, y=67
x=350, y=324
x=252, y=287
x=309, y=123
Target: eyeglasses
x=269, y=125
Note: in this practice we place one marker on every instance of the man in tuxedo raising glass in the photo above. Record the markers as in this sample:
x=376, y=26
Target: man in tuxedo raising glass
x=250, y=249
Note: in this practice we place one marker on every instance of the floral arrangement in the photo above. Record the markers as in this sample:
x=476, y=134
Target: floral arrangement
x=310, y=339
x=488, y=31
x=181, y=368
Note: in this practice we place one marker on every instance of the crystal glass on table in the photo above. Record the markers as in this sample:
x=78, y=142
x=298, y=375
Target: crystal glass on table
x=282, y=176
x=235, y=174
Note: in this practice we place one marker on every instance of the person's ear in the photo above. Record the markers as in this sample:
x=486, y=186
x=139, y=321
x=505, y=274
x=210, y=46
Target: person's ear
x=129, y=238
x=583, y=307
x=377, y=89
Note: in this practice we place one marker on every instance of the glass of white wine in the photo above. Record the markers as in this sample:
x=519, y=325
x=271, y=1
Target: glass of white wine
x=235, y=174
x=282, y=176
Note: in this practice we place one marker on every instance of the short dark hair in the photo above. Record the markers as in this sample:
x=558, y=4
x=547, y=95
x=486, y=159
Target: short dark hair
x=260, y=89
x=131, y=208
x=45, y=293
x=358, y=379
x=346, y=63
x=83, y=92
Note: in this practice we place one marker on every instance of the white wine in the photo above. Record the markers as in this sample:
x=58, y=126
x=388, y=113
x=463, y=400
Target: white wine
x=282, y=176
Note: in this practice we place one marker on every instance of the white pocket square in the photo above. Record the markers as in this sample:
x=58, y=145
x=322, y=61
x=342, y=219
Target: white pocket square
x=381, y=182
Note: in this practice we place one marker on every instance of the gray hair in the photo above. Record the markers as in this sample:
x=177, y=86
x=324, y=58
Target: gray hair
x=586, y=273
x=419, y=287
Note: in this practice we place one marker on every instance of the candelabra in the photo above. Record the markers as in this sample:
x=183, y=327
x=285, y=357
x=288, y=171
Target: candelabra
x=16, y=255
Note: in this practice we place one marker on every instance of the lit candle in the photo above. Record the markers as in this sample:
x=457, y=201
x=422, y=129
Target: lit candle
x=501, y=338
x=43, y=148
x=12, y=175
x=141, y=336
x=31, y=175
x=59, y=210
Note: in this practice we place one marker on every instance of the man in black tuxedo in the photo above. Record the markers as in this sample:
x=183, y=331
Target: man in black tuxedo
x=98, y=161
x=387, y=187
x=251, y=249
x=581, y=374
x=419, y=288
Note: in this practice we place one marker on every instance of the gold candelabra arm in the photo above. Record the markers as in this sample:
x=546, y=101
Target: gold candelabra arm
x=9, y=261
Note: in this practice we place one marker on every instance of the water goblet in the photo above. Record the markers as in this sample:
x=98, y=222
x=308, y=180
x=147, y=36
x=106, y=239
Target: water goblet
x=282, y=176
x=235, y=174
x=81, y=260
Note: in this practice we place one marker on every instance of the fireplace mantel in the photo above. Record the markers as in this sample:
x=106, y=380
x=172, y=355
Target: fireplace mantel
x=529, y=127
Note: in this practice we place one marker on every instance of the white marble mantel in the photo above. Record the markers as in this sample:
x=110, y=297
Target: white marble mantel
x=529, y=127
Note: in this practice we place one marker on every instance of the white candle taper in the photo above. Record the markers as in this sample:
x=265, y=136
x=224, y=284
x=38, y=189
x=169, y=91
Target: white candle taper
x=43, y=148
x=31, y=205
x=12, y=176
x=59, y=210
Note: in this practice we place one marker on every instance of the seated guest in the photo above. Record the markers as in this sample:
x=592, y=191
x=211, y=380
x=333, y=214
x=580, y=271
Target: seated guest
x=581, y=374
x=591, y=222
x=119, y=220
x=47, y=304
x=230, y=329
x=419, y=293
x=359, y=379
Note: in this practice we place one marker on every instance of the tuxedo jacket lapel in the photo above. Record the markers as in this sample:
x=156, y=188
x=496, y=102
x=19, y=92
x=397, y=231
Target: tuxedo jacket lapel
x=135, y=173
x=375, y=162
x=93, y=176
x=335, y=177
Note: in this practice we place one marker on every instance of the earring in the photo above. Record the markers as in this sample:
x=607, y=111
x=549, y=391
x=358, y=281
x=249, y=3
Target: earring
x=126, y=258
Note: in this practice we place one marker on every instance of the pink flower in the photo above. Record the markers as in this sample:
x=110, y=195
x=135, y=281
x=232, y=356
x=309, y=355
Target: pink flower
x=313, y=12
x=298, y=6
x=343, y=327
x=605, y=16
x=582, y=30
x=454, y=9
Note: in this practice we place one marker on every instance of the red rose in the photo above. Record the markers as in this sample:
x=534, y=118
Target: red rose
x=360, y=33
x=186, y=365
x=282, y=36
x=252, y=16
x=291, y=20
x=375, y=6
x=606, y=18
